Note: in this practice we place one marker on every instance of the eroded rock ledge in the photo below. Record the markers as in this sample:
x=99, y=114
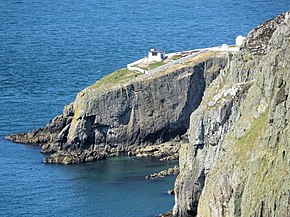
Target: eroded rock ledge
x=169, y=172
x=146, y=111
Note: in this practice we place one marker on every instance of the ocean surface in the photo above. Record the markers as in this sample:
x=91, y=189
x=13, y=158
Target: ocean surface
x=50, y=50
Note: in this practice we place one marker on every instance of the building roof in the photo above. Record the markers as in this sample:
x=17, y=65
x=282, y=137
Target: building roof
x=155, y=50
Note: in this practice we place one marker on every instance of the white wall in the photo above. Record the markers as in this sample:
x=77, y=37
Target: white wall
x=239, y=40
x=154, y=58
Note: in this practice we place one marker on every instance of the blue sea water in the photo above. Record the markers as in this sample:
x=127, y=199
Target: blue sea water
x=50, y=50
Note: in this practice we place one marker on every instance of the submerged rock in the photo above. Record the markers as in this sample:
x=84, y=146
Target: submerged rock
x=170, y=191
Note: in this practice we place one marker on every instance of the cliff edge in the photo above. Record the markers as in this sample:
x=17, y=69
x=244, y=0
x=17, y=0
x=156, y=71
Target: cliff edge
x=237, y=161
x=234, y=109
x=128, y=110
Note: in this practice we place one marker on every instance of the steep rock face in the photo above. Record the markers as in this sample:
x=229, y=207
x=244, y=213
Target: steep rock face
x=148, y=110
x=237, y=162
x=141, y=112
x=54, y=131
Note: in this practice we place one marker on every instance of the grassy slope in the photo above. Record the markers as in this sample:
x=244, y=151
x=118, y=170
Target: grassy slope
x=121, y=76
x=153, y=65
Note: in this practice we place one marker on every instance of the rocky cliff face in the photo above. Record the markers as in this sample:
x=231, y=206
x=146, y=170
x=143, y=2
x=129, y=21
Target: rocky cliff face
x=237, y=161
x=145, y=111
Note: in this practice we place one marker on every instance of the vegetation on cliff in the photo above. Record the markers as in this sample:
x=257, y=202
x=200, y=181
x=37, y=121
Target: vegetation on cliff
x=237, y=160
x=122, y=113
x=119, y=77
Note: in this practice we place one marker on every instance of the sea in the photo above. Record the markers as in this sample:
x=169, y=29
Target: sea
x=50, y=50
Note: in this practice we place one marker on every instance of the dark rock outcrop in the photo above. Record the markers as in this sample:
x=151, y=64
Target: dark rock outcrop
x=146, y=111
x=169, y=172
x=55, y=131
x=237, y=160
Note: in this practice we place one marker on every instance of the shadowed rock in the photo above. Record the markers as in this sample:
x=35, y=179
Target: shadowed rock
x=109, y=119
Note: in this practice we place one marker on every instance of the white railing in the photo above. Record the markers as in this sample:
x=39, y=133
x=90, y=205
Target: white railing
x=181, y=60
x=132, y=66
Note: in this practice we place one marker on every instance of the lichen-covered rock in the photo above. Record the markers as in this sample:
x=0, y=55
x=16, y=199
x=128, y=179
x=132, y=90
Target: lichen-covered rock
x=237, y=161
x=145, y=111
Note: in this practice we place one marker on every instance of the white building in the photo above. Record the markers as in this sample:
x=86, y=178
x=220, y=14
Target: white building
x=225, y=47
x=239, y=40
x=155, y=55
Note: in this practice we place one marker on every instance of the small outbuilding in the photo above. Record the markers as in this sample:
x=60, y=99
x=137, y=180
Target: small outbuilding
x=156, y=55
x=239, y=40
x=225, y=47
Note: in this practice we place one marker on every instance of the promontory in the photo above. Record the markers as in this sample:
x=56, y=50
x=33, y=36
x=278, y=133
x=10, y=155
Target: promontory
x=224, y=113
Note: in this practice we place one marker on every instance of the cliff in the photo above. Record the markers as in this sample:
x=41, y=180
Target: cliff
x=237, y=161
x=127, y=110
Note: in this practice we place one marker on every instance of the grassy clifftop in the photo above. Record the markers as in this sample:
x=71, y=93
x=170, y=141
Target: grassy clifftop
x=125, y=76
x=119, y=77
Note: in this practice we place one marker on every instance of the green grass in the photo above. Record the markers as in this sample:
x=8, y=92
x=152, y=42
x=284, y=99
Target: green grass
x=176, y=57
x=246, y=144
x=121, y=76
x=153, y=65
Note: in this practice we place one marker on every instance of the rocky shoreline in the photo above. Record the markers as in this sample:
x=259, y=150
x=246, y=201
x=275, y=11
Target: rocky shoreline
x=148, y=117
x=165, y=151
x=169, y=172
x=234, y=109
